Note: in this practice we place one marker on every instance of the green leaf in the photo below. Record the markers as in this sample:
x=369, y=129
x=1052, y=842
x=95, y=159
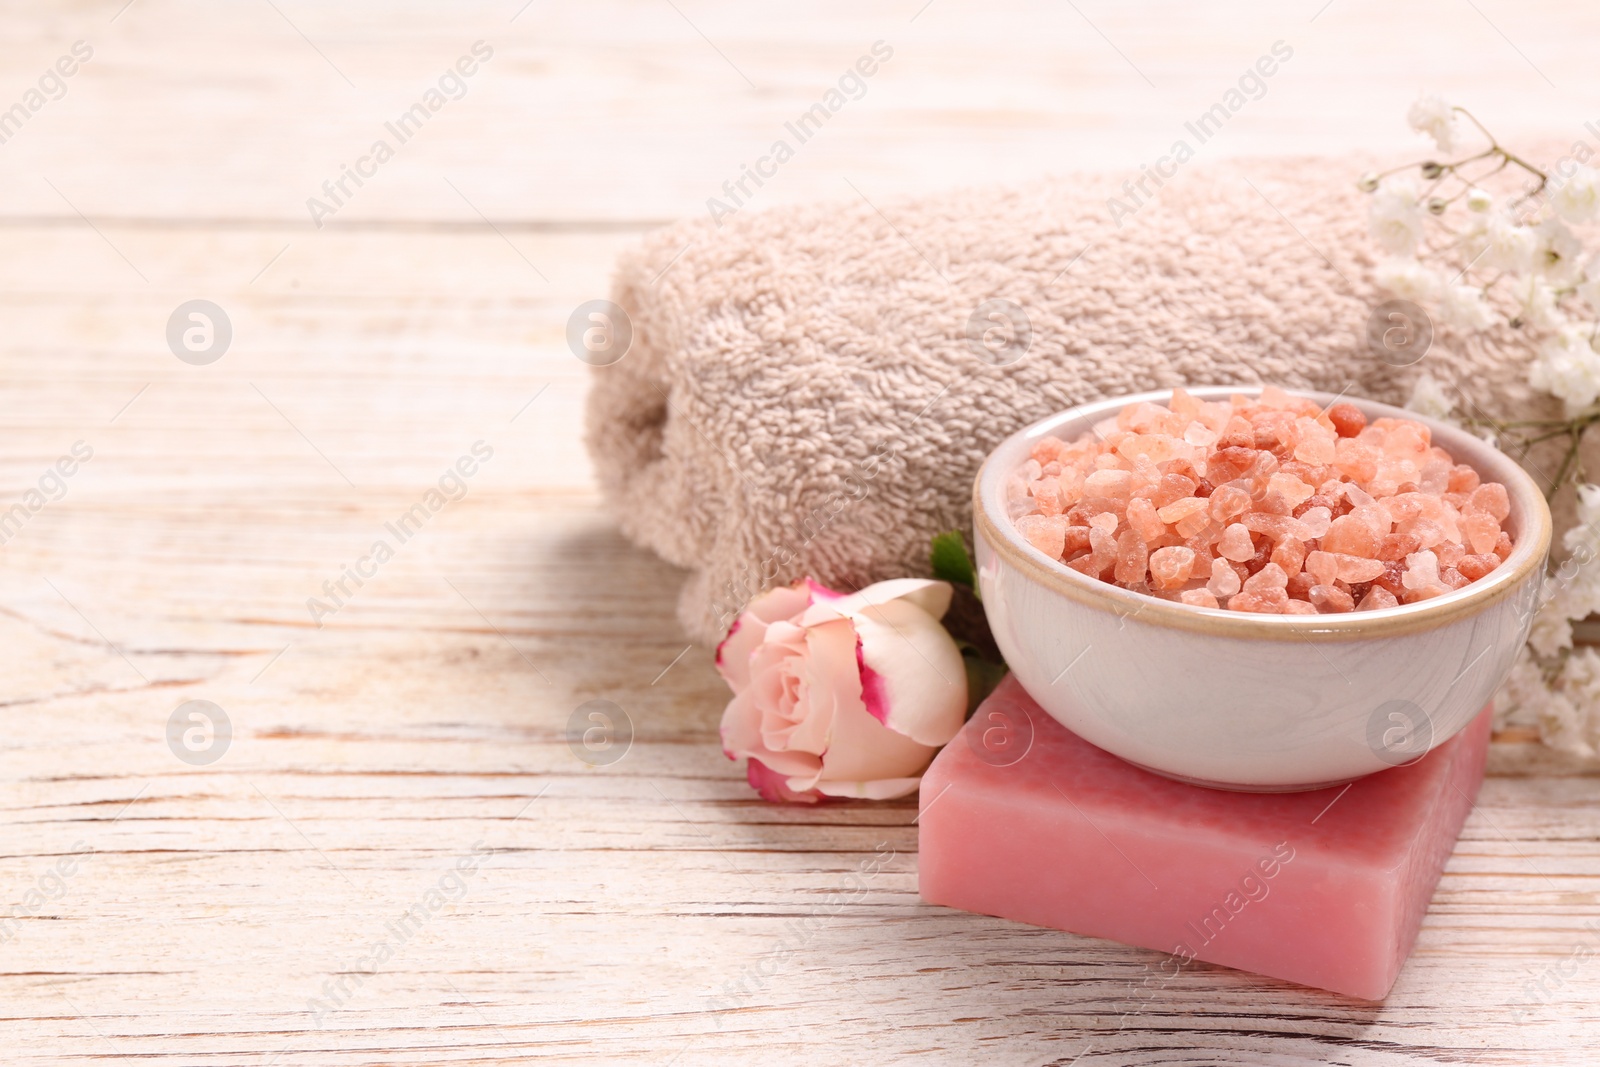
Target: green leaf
x=982, y=676
x=950, y=560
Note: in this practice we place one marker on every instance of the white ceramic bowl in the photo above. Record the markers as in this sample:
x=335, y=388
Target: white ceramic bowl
x=1245, y=701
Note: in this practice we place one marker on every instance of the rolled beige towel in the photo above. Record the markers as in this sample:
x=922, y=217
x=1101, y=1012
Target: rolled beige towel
x=801, y=396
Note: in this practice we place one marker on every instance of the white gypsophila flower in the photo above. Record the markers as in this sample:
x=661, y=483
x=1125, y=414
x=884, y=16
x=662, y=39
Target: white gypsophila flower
x=1523, y=694
x=1567, y=367
x=1561, y=726
x=1500, y=244
x=1558, y=251
x=1409, y=279
x=1464, y=308
x=1589, y=291
x=1582, y=540
x=1580, y=679
x=1538, y=302
x=1429, y=398
x=1588, y=509
x=1552, y=626
x=1479, y=200
x=1435, y=117
x=1588, y=287
x=1396, y=217
x=1577, y=198
x=1583, y=599
x=1571, y=724
x=1574, y=589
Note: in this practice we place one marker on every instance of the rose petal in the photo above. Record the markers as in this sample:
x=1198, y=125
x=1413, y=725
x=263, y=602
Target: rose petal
x=831, y=685
x=749, y=629
x=819, y=591
x=774, y=787
x=741, y=739
x=913, y=679
x=931, y=596
x=860, y=748
x=879, y=789
x=776, y=670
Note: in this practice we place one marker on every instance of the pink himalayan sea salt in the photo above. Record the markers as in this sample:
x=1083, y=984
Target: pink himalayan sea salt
x=1267, y=505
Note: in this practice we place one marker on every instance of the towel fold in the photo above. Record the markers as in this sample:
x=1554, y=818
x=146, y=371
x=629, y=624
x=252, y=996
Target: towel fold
x=807, y=392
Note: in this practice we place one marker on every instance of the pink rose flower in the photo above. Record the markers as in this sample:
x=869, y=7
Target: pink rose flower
x=842, y=695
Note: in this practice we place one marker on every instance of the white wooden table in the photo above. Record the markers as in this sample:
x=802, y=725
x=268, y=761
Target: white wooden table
x=250, y=910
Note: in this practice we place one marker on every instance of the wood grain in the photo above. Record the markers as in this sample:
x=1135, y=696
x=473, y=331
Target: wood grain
x=650, y=910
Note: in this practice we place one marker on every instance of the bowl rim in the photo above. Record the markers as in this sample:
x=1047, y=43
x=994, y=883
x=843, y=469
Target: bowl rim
x=1529, y=512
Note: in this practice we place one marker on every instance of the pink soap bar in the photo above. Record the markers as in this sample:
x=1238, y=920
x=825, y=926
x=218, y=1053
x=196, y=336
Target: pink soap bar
x=1325, y=888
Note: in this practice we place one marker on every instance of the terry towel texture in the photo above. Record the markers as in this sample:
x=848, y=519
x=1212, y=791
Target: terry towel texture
x=801, y=397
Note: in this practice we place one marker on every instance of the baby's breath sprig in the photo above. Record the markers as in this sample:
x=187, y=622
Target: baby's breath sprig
x=1512, y=259
x=1438, y=173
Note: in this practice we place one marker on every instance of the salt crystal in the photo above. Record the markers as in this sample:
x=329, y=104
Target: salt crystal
x=1463, y=479
x=1294, y=491
x=1132, y=556
x=1263, y=603
x=1399, y=546
x=1427, y=532
x=1353, y=569
x=1316, y=444
x=1355, y=460
x=1157, y=447
x=1350, y=536
x=1329, y=598
x=1376, y=516
x=1229, y=463
x=1140, y=418
x=1181, y=509
x=1323, y=566
x=1289, y=554
x=1274, y=397
x=1047, y=492
x=1170, y=567
x=1199, y=435
x=1421, y=578
x=1192, y=524
x=1224, y=579
x=1492, y=498
x=1347, y=419
x=1142, y=517
x=1228, y=501
x=1172, y=487
x=1116, y=484
x=1236, y=544
x=1269, y=577
x=1436, y=476
x=1317, y=520
x=1077, y=541
x=1047, y=533
x=1377, y=597
x=1422, y=568
x=1276, y=527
